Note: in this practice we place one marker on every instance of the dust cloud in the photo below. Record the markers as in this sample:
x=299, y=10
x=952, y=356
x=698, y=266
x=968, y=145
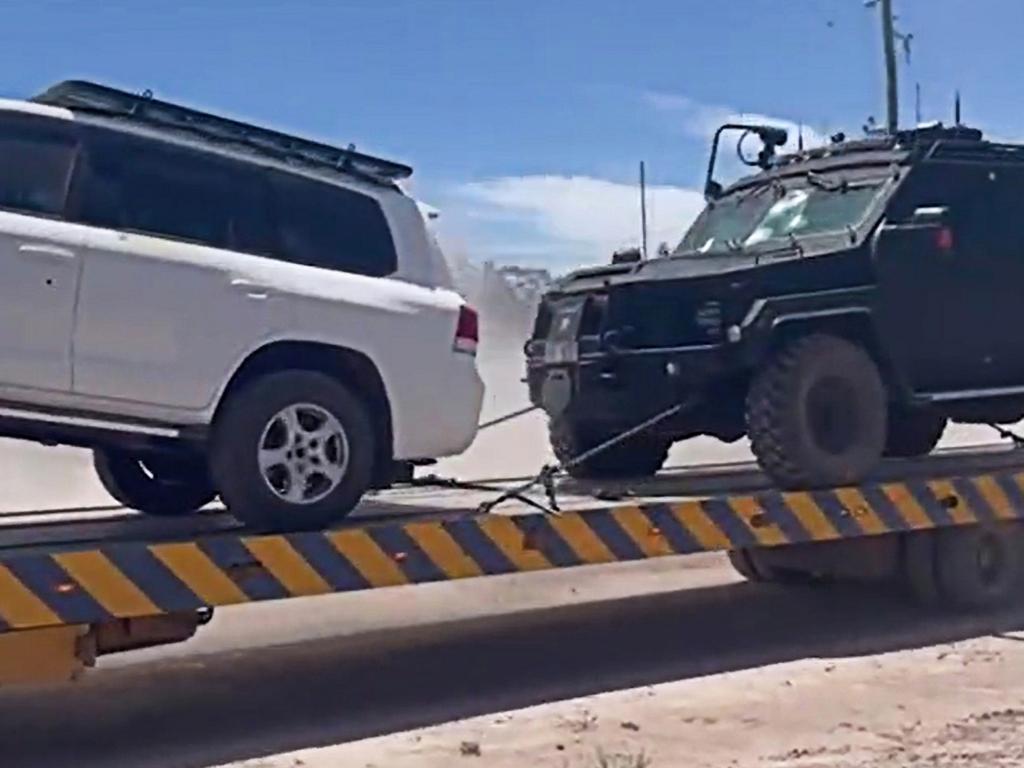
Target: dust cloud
x=40, y=477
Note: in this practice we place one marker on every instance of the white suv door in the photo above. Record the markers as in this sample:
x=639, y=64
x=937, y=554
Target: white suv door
x=39, y=259
x=162, y=319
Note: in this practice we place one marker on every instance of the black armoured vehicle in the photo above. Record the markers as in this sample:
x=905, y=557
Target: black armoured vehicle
x=841, y=304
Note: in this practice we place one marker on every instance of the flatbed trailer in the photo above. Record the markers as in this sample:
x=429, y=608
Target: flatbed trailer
x=75, y=584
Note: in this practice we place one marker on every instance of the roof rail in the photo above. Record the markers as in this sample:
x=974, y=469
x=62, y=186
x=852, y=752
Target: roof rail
x=1004, y=153
x=82, y=96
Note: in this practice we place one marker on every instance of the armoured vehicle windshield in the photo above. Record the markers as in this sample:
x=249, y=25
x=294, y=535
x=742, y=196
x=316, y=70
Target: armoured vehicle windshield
x=795, y=207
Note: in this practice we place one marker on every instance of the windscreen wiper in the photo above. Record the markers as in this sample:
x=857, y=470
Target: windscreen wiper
x=816, y=180
x=774, y=185
x=840, y=185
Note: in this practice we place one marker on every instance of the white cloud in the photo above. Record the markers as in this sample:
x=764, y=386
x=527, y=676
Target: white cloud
x=564, y=221
x=582, y=217
x=702, y=120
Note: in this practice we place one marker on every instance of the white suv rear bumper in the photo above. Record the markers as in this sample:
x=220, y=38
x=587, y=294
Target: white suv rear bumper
x=441, y=418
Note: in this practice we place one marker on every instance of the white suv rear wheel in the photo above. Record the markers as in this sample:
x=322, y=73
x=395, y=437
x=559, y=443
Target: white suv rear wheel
x=292, y=450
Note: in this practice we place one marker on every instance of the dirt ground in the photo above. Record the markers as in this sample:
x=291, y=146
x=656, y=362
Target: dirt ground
x=952, y=705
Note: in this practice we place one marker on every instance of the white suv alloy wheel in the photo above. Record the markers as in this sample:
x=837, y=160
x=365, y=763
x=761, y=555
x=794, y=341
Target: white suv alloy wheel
x=303, y=453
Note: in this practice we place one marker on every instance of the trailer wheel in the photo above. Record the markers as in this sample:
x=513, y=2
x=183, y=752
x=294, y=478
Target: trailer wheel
x=156, y=484
x=919, y=567
x=816, y=413
x=744, y=565
x=913, y=433
x=749, y=564
x=978, y=566
x=292, y=450
x=639, y=457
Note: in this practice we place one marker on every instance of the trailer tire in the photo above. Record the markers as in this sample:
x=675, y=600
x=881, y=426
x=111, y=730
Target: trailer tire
x=978, y=566
x=816, y=413
x=913, y=433
x=159, y=484
x=640, y=456
x=919, y=567
x=293, y=450
x=750, y=564
x=744, y=565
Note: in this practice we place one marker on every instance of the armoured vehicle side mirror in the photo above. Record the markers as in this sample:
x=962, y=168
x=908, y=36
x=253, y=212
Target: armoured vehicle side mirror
x=663, y=250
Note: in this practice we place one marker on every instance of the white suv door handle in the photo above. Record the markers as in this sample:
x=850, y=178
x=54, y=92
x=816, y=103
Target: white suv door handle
x=250, y=289
x=46, y=249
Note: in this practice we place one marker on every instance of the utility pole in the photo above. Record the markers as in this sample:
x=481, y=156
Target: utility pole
x=889, y=42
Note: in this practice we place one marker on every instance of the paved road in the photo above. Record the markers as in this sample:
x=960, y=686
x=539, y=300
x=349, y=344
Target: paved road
x=231, y=699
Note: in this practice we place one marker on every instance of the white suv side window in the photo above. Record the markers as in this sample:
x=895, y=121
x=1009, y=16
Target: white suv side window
x=323, y=225
x=36, y=158
x=159, y=189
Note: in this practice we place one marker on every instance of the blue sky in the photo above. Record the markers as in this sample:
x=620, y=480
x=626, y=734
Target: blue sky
x=525, y=119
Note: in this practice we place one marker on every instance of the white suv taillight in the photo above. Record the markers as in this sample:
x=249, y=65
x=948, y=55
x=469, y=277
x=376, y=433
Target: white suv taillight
x=467, y=331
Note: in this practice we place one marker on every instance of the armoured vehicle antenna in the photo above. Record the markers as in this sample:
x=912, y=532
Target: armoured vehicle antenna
x=643, y=211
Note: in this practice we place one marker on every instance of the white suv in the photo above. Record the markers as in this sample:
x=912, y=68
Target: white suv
x=219, y=309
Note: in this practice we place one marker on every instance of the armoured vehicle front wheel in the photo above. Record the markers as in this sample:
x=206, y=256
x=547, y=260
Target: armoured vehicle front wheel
x=292, y=450
x=913, y=433
x=157, y=484
x=816, y=413
x=640, y=456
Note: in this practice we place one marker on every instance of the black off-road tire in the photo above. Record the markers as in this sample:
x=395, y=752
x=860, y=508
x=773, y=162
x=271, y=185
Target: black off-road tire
x=913, y=433
x=640, y=456
x=157, y=484
x=239, y=428
x=816, y=413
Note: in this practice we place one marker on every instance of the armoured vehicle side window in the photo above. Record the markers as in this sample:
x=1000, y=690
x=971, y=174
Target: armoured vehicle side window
x=36, y=160
x=156, y=188
x=1000, y=215
x=965, y=190
x=322, y=225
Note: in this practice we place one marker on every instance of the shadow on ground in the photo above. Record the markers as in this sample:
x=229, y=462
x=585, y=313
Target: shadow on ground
x=212, y=709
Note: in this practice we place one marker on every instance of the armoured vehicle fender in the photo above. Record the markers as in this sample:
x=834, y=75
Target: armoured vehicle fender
x=774, y=321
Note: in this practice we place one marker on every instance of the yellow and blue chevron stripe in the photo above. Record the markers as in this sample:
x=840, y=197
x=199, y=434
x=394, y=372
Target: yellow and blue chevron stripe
x=130, y=579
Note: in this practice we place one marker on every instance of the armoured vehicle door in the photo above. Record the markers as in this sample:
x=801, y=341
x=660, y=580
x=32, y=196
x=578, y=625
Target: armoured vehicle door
x=950, y=265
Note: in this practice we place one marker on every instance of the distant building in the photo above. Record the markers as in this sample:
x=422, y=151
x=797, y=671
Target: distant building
x=528, y=284
x=506, y=296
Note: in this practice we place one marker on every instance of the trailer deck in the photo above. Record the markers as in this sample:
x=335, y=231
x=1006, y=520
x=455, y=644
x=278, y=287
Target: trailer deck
x=94, y=566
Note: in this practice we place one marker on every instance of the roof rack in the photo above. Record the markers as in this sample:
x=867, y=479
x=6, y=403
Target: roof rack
x=82, y=96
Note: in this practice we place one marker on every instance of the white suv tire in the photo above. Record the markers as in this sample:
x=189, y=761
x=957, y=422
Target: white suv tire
x=157, y=484
x=292, y=450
